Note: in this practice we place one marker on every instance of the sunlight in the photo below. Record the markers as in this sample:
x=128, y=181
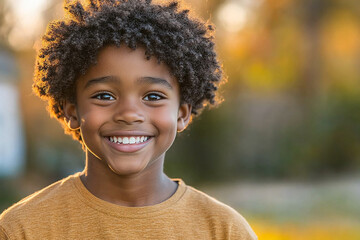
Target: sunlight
x=27, y=21
x=234, y=14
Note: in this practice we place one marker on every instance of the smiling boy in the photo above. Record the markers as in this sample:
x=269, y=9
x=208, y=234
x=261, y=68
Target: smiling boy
x=128, y=111
x=123, y=77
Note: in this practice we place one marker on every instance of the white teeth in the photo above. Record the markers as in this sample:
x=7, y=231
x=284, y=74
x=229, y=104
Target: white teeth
x=128, y=140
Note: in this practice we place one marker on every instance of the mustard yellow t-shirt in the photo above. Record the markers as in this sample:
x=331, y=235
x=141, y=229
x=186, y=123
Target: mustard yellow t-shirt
x=67, y=210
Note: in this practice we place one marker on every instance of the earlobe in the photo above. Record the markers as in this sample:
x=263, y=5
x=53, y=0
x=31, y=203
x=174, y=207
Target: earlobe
x=184, y=117
x=71, y=116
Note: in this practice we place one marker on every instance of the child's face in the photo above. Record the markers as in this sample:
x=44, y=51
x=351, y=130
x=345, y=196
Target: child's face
x=128, y=110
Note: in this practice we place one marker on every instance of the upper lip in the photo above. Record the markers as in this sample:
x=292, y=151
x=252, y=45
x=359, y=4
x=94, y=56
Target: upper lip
x=127, y=133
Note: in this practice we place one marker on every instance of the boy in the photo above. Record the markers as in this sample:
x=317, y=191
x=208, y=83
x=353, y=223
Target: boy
x=123, y=77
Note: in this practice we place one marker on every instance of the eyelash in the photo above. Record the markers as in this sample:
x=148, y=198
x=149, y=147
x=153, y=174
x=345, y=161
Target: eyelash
x=158, y=97
x=110, y=97
x=100, y=96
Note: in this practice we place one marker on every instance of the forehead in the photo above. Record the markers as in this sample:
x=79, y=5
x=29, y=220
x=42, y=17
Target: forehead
x=126, y=63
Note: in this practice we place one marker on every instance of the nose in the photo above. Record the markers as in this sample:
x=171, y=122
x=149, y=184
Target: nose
x=129, y=112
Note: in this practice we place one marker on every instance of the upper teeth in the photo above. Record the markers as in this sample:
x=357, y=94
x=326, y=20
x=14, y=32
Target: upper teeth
x=128, y=140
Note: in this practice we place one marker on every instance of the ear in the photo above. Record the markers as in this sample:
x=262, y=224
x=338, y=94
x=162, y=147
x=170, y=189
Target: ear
x=184, y=117
x=71, y=118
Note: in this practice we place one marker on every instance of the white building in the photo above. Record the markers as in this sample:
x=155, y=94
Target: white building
x=12, y=147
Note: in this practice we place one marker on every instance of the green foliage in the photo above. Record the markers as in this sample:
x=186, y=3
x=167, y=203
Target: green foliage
x=328, y=142
x=324, y=140
x=8, y=195
x=292, y=103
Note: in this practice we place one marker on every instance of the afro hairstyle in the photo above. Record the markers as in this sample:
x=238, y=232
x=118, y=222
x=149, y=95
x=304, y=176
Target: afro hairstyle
x=71, y=45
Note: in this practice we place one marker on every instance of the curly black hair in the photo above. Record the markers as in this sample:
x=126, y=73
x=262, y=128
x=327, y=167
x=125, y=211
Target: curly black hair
x=70, y=46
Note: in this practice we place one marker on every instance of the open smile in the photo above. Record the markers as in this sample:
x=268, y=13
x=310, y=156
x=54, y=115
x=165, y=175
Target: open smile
x=128, y=144
x=128, y=140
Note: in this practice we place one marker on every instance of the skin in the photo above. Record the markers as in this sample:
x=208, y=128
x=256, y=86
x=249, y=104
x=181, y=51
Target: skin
x=126, y=95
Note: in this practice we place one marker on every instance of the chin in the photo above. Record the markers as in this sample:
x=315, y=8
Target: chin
x=126, y=169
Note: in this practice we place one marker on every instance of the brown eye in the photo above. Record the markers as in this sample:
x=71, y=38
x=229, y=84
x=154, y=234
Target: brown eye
x=104, y=96
x=153, y=97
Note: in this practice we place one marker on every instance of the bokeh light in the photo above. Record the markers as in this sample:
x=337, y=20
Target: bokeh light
x=284, y=146
x=233, y=15
x=28, y=21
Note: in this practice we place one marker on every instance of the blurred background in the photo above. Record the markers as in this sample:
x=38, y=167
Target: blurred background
x=284, y=146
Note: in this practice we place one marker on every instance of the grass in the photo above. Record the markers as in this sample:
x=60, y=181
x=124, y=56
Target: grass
x=297, y=210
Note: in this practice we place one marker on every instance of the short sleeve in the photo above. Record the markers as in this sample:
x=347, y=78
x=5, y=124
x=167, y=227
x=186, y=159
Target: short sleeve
x=242, y=233
x=241, y=229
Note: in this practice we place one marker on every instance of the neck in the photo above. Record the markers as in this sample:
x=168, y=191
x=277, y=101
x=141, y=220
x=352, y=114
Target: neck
x=147, y=188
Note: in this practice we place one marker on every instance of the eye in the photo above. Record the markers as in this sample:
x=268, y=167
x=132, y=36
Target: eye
x=104, y=96
x=153, y=97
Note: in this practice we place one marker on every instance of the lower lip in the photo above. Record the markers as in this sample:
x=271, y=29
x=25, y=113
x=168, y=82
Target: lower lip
x=128, y=148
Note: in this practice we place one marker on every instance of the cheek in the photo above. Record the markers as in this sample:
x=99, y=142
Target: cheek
x=90, y=122
x=166, y=123
x=165, y=116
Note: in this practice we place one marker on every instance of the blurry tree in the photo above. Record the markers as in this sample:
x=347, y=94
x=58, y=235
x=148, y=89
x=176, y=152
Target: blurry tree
x=5, y=21
x=8, y=194
x=290, y=105
x=293, y=94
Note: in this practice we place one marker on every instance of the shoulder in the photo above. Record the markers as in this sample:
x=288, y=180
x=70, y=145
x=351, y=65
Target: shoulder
x=207, y=203
x=219, y=212
x=40, y=201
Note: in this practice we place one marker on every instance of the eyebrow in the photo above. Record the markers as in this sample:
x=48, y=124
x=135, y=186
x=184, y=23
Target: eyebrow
x=154, y=80
x=100, y=80
x=142, y=80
